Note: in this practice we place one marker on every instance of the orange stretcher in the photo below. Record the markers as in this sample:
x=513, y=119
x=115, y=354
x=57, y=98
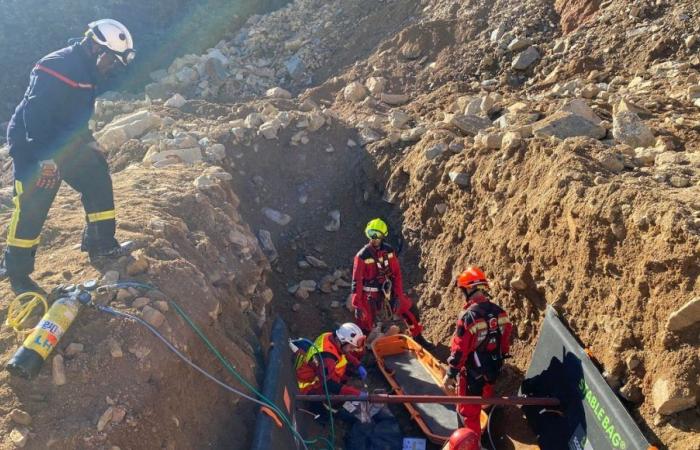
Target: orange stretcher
x=412, y=370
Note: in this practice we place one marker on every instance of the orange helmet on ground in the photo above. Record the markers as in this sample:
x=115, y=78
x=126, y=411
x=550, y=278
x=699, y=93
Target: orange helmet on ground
x=464, y=439
x=471, y=278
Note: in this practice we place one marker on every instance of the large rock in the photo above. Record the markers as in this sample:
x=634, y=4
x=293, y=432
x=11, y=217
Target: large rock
x=394, y=99
x=580, y=108
x=176, y=101
x=519, y=44
x=564, y=125
x=354, y=92
x=181, y=155
x=629, y=129
x=278, y=92
x=685, y=316
x=128, y=127
x=526, y=59
x=469, y=125
x=670, y=396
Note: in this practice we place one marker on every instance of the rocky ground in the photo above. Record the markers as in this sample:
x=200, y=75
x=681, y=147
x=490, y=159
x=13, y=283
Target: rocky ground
x=555, y=144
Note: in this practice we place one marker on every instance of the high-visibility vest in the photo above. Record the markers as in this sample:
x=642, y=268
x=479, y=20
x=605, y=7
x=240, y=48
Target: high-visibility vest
x=306, y=367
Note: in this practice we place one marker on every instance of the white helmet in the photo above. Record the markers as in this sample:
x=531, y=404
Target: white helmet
x=114, y=37
x=349, y=333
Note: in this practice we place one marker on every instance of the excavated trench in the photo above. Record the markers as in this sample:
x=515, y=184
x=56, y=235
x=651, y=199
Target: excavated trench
x=308, y=183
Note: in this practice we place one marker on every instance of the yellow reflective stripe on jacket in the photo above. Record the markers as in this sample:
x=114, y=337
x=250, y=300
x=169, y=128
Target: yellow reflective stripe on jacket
x=103, y=215
x=342, y=362
x=12, y=238
x=369, y=260
x=306, y=384
x=317, y=348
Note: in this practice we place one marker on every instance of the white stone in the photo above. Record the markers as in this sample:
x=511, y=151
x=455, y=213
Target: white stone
x=565, y=125
x=629, y=129
x=278, y=92
x=19, y=437
x=204, y=182
x=176, y=101
x=276, y=216
x=184, y=155
x=685, y=316
x=376, y=85
x=394, y=99
x=460, y=179
x=435, y=151
x=217, y=152
x=646, y=155
x=670, y=398
x=128, y=127
x=469, y=125
x=398, y=118
x=254, y=120
x=58, y=371
x=354, y=92
x=270, y=129
x=473, y=107
x=580, y=108
x=526, y=59
x=519, y=44
x=511, y=140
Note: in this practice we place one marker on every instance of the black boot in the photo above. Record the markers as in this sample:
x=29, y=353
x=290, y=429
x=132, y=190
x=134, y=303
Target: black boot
x=114, y=252
x=22, y=284
x=423, y=342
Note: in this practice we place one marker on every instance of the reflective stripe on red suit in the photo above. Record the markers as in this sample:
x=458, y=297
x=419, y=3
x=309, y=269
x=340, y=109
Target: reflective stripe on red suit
x=469, y=334
x=371, y=267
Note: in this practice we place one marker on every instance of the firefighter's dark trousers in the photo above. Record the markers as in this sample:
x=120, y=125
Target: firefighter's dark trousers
x=88, y=173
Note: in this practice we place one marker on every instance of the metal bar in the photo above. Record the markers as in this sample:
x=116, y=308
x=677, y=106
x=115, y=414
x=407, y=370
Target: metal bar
x=445, y=399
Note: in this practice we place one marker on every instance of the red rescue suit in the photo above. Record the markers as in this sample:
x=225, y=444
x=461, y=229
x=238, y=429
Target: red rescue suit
x=310, y=371
x=480, y=340
x=372, y=268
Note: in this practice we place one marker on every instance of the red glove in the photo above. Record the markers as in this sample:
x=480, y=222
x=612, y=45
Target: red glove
x=49, y=176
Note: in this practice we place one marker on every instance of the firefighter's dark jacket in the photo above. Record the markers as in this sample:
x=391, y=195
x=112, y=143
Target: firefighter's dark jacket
x=51, y=121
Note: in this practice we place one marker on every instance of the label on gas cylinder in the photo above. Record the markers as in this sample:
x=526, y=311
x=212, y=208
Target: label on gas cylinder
x=55, y=322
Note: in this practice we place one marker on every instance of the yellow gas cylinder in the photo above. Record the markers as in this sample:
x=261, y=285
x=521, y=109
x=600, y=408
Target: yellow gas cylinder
x=28, y=359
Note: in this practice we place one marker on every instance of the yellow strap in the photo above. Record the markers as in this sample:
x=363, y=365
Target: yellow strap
x=19, y=309
x=369, y=260
x=12, y=238
x=103, y=215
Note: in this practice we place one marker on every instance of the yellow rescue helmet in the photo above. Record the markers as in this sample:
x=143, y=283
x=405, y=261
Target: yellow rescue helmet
x=376, y=229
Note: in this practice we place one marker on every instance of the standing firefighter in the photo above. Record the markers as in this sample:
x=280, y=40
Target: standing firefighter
x=376, y=279
x=479, y=345
x=327, y=360
x=50, y=141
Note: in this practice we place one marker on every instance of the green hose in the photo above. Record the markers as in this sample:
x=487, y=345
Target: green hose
x=245, y=383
